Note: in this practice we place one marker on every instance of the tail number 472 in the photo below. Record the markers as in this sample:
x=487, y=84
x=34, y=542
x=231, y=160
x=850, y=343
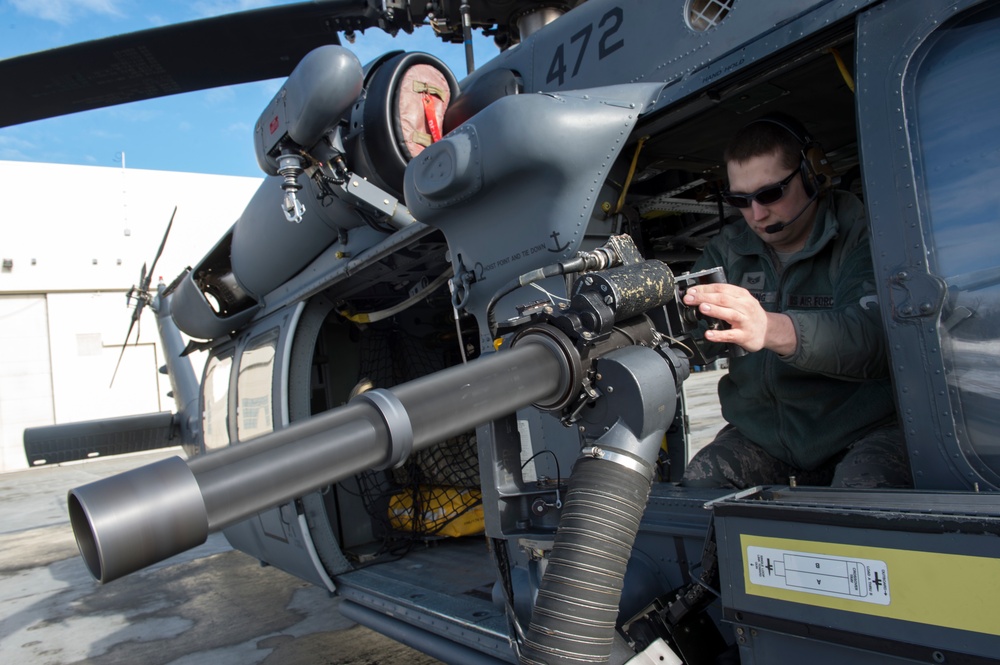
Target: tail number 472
x=607, y=28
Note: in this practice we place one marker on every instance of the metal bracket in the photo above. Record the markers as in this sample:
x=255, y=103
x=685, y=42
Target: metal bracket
x=915, y=294
x=364, y=194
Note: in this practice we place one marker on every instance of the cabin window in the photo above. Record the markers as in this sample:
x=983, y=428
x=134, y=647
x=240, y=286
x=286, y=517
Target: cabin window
x=958, y=129
x=704, y=14
x=215, y=395
x=254, y=387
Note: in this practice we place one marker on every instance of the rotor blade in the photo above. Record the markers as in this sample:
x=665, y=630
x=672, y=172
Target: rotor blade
x=162, y=243
x=135, y=317
x=223, y=50
x=55, y=444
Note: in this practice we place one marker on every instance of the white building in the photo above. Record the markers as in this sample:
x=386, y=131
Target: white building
x=73, y=239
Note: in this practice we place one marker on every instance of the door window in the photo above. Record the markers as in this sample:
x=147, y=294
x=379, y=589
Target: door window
x=254, y=389
x=215, y=396
x=958, y=131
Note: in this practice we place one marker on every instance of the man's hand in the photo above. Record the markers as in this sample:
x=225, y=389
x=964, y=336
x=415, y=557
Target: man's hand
x=750, y=326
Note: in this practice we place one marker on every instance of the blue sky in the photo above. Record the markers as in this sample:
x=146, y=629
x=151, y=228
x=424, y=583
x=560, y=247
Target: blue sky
x=201, y=132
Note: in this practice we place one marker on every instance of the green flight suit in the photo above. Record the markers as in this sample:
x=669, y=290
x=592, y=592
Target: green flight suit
x=807, y=408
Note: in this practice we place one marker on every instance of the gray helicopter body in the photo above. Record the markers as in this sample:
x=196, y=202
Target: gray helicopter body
x=393, y=330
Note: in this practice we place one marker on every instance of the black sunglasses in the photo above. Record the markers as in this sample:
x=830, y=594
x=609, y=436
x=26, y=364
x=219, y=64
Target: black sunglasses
x=766, y=195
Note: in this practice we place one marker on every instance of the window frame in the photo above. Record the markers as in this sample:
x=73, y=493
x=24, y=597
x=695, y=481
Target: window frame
x=892, y=41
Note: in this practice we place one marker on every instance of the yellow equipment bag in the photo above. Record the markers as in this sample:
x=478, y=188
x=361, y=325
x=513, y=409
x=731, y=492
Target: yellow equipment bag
x=441, y=511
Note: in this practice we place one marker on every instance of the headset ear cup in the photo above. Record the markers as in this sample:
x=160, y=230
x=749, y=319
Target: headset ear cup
x=821, y=175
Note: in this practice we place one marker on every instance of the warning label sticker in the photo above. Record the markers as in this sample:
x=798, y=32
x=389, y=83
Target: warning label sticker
x=865, y=580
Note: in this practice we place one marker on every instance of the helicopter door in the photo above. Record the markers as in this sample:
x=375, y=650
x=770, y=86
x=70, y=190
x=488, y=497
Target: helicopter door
x=932, y=158
x=278, y=536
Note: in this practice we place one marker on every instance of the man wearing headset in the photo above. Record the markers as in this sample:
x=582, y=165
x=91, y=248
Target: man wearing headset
x=812, y=397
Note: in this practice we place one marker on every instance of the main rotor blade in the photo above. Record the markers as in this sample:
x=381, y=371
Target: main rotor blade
x=223, y=50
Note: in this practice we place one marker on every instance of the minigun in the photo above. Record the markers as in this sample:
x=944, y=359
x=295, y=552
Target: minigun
x=559, y=359
x=608, y=348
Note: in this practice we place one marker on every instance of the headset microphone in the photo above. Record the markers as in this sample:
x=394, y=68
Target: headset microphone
x=774, y=228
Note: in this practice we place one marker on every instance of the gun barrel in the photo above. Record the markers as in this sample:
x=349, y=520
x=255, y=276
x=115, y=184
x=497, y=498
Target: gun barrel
x=138, y=518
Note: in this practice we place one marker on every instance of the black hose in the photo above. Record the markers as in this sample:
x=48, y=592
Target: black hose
x=577, y=607
x=516, y=283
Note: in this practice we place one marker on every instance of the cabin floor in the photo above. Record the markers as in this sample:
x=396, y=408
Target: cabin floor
x=445, y=587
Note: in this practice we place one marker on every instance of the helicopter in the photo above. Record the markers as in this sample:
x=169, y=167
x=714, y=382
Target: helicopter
x=452, y=314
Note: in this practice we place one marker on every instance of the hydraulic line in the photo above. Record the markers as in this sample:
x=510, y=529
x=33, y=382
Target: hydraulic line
x=372, y=317
x=842, y=66
x=601, y=258
x=631, y=174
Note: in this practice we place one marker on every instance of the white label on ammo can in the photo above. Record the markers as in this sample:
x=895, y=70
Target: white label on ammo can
x=865, y=580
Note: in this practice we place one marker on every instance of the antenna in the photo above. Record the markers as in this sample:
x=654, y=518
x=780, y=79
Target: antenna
x=126, y=230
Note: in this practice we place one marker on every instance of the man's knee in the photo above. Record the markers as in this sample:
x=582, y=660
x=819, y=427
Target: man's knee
x=878, y=459
x=708, y=470
x=731, y=462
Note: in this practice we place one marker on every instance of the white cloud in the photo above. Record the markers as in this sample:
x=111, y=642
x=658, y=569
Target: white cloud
x=65, y=11
x=13, y=148
x=139, y=112
x=104, y=134
x=217, y=96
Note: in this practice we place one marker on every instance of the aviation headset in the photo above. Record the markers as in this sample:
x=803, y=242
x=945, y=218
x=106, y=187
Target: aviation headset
x=817, y=175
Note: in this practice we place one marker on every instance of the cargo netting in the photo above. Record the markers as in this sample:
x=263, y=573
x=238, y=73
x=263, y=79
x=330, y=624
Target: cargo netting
x=436, y=492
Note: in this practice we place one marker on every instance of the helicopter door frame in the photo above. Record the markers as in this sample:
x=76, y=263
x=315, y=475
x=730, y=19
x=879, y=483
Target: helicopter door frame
x=895, y=42
x=279, y=536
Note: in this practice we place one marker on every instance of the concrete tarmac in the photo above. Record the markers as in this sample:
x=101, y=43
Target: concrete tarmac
x=209, y=605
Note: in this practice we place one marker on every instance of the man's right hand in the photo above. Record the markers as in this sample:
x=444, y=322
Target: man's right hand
x=750, y=327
